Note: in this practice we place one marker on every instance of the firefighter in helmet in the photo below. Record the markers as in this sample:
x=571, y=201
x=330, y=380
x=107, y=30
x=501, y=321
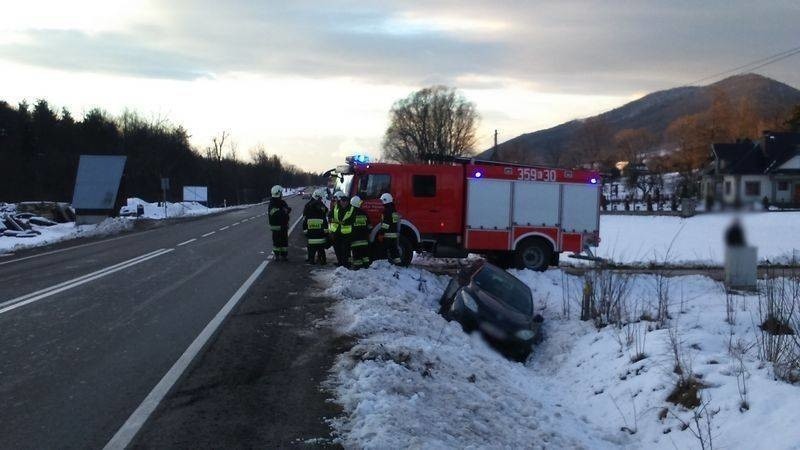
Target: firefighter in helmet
x=359, y=243
x=279, y=223
x=315, y=227
x=341, y=243
x=390, y=228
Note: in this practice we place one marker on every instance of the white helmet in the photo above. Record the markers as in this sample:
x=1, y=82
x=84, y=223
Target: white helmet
x=277, y=191
x=318, y=194
x=356, y=201
x=386, y=198
x=338, y=195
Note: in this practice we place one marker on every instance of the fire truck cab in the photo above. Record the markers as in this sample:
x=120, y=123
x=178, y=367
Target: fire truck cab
x=521, y=216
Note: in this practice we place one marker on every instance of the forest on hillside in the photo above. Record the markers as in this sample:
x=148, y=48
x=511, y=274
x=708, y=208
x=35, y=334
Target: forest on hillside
x=40, y=149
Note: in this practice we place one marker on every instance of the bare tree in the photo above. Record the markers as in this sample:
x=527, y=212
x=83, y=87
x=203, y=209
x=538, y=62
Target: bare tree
x=432, y=122
x=215, y=150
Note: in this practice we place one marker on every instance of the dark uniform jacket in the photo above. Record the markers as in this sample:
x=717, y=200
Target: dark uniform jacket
x=315, y=222
x=390, y=221
x=278, y=213
x=361, y=228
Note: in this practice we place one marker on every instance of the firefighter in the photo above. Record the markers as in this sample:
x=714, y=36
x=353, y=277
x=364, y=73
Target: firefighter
x=279, y=224
x=315, y=227
x=341, y=244
x=359, y=242
x=390, y=227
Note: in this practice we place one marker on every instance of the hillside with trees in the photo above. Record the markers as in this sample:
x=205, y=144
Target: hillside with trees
x=672, y=129
x=40, y=148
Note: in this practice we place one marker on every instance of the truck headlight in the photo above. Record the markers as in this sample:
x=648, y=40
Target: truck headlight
x=525, y=335
x=469, y=301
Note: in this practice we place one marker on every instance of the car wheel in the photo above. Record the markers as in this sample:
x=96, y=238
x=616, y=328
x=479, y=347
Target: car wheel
x=406, y=250
x=533, y=254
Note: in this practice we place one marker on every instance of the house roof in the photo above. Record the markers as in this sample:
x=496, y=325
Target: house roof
x=752, y=158
x=780, y=148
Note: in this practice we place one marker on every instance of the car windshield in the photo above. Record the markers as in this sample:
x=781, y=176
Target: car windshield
x=343, y=183
x=505, y=287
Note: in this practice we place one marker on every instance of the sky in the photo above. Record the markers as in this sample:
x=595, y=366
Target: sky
x=313, y=81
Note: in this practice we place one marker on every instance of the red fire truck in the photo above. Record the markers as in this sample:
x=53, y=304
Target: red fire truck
x=516, y=215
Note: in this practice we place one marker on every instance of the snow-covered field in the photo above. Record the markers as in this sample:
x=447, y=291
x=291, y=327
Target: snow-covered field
x=63, y=232
x=414, y=380
x=697, y=240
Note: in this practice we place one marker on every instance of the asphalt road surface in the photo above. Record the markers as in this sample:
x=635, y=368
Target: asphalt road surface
x=90, y=329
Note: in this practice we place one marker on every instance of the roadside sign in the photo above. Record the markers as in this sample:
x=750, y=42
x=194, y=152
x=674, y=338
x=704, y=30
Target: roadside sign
x=195, y=193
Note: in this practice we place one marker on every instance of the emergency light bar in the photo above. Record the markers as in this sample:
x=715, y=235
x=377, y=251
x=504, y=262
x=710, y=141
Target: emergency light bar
x=357, y=159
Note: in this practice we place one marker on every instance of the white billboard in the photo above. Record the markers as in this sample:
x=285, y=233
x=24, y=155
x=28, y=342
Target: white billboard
x=195, y=193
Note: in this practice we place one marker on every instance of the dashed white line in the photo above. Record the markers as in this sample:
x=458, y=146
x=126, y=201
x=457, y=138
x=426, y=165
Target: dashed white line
x=69, y=284
x=234, y=224
x=123, y=437
x=75, y=247
x=224, y=228
x=208, y=234
x=187, y=242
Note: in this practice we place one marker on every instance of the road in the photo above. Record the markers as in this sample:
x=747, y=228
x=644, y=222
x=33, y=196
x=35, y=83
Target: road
x=88, y=330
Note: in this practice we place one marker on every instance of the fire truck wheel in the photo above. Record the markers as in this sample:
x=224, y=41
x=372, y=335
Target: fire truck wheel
x=406, y=250
x=533, y=254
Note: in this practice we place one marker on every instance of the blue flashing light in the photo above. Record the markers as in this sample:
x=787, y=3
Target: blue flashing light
x=593, y=180
x=478, y=174
x=360, y=159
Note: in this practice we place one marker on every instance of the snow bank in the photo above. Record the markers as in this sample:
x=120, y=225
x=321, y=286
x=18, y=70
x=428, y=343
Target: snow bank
x=63, y=232
x=595, y=372
x=415, y=380
x=697, y=240
x=173, y=210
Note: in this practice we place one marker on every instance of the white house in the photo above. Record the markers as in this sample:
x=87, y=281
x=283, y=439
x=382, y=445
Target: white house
x=746, y=172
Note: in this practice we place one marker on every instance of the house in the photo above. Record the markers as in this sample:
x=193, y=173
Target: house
x=746, y=171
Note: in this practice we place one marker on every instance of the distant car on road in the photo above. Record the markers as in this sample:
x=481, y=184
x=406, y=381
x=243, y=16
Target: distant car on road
x=306, y=195
x=485, y=297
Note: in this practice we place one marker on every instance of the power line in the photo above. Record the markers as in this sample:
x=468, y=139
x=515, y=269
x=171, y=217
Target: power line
x=759, y=63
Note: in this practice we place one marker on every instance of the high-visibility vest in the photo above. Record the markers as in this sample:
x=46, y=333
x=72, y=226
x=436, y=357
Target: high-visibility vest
x=334, y=223
x=345, y=223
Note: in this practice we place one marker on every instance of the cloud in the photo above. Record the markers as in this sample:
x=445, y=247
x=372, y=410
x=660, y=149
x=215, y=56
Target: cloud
x=560, y=46
x=106, y=52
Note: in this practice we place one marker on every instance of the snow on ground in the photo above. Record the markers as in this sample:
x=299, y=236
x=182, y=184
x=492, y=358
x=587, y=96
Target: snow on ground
x=414, y=380
x=696, y=240
x=173, y=210
x=63, y=232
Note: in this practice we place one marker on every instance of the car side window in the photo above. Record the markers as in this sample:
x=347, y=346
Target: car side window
x=373, y=185
x=424, y=185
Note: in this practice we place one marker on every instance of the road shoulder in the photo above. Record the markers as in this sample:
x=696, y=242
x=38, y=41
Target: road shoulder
x=258, y=383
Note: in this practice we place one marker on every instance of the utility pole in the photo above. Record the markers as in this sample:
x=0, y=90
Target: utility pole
x=495, y=139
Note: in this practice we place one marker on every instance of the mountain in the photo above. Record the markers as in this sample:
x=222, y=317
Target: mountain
x=654, y=112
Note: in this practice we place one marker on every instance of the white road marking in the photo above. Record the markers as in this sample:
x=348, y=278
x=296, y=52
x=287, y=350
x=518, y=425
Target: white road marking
x=27, y=299
x=208, y=234
x=4, y=255
x=234, y=224
x=75, y=247
x=224, y=228
x=187, y=242
x=123, y=437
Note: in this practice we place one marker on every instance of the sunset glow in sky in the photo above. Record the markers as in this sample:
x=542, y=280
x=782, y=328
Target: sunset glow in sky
x=313, y=81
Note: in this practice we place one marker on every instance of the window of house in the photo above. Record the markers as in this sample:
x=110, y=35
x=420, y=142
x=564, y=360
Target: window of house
x=373, y=185
x=783, y=185
x=424, y=185
x=727, y=188
x=752, y=188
